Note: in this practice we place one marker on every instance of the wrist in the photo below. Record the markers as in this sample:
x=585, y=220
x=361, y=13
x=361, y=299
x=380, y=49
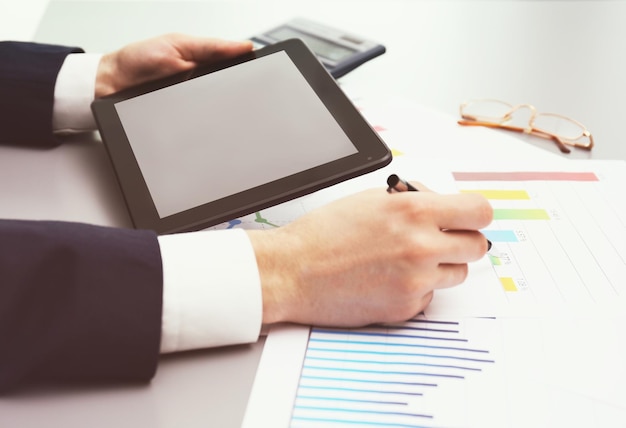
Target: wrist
x=278, y=274
x=73, y=93
x=105, y=77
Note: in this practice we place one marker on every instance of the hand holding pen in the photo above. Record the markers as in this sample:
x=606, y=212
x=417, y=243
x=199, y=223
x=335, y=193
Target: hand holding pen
x=369, y=257
x=396, y=184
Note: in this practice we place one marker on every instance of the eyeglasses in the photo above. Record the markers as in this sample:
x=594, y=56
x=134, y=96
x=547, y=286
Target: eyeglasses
x=562, y=130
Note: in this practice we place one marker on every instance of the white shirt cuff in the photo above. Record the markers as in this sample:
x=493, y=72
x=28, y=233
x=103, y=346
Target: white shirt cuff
x=73, y=93
x=211, y=290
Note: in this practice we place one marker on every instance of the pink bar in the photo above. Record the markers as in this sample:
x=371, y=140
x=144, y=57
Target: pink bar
x=525, y=176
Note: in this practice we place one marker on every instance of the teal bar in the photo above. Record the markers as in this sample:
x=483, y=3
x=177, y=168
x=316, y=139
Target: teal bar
x=500, y=235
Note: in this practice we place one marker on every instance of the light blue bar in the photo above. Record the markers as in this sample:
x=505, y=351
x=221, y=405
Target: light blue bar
x=354, y=422
x=390, y=344
x=381, y=372
x=361, y=390
x=500, y=235
x=390, y=363
x=362, y=411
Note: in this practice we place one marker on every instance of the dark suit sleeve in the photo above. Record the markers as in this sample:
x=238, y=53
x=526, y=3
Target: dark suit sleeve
x=78, y=303
x=28, y=73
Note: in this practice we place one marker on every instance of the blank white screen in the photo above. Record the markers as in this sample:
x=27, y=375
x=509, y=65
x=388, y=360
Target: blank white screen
x=228, y=131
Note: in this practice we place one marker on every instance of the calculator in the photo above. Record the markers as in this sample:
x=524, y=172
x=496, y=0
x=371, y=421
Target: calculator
x=340, y=52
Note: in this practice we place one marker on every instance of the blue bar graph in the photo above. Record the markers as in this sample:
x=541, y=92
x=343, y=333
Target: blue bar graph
x=371, y=376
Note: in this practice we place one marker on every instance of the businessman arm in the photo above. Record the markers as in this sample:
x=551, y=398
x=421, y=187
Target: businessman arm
x=78, y=302
x=28, y=73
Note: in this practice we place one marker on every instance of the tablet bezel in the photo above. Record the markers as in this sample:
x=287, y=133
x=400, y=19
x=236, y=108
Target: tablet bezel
x=372, y=153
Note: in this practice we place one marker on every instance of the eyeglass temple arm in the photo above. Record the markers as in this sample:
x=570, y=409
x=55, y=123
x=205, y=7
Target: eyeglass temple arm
x=562, y=147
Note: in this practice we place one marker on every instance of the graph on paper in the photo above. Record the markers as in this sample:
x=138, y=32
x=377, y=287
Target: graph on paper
x=559, y=235
x=387, y=375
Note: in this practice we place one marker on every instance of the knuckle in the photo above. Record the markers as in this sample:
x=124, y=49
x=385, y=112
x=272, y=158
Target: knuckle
x=411, y=207
x=416, y=249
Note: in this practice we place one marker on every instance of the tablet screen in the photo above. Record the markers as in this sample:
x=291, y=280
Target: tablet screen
x=192, y=149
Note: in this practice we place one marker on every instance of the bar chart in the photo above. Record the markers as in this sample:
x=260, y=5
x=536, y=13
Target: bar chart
x=559, y=236
x=386, y=375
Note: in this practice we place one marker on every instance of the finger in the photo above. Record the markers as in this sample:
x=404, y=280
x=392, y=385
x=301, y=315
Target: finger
x=420, y=186
x=450, y=275
x=464, y=211
x=424, y=302
x=417, y=307
x=461, y=246
x=199, y=49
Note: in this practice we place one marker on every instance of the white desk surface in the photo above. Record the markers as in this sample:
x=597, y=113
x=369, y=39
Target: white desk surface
x=562, y=56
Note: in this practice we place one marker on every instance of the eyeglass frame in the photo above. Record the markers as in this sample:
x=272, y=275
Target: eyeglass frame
x=561, y=143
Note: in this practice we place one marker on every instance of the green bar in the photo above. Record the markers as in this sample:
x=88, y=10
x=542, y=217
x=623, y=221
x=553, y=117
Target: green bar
x=495, y=260
x=520, y=214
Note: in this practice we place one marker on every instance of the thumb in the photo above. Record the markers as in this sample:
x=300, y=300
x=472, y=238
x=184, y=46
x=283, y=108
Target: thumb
x=198, y=49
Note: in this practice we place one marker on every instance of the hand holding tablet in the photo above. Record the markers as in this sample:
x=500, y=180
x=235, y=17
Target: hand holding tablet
x=222, y=141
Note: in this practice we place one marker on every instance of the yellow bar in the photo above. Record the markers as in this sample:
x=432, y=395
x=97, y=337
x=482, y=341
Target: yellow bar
x=500, y=194
x=508, y=284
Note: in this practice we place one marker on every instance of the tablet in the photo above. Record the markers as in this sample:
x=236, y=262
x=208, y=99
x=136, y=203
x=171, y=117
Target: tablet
x=226, y=140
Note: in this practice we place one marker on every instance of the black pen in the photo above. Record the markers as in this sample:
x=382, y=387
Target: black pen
x=396, y=184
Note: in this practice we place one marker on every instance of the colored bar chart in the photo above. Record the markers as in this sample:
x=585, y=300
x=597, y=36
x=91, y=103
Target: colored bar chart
x=545, y=228
x=381, y=376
